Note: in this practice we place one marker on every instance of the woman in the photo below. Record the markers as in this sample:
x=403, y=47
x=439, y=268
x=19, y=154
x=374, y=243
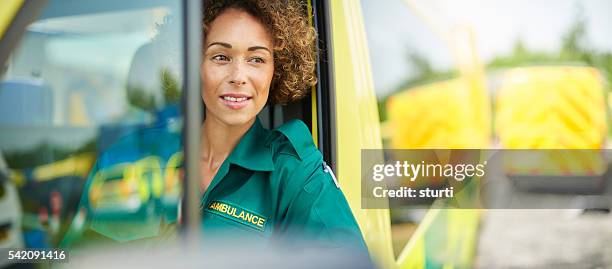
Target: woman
x=260, y=183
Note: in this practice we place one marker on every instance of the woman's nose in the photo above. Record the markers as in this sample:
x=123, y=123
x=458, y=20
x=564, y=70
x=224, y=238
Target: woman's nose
x=237, y=77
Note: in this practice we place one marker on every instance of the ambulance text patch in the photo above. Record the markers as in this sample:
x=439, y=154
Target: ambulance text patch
x=237, y=214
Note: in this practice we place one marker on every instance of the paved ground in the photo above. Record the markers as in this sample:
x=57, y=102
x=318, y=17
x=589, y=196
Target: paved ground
x=551, y=238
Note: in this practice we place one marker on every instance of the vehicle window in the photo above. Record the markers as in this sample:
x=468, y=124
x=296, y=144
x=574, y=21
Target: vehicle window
x=90, y=124
x=411, y=66
x=495, y=75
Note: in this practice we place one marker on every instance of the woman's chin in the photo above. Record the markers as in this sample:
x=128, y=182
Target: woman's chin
x=232, y=117
x=237, y=119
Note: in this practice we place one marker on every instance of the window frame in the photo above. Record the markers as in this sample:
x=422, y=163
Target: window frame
x=325, y=89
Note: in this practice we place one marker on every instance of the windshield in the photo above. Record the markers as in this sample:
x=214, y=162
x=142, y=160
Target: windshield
x=90, y=124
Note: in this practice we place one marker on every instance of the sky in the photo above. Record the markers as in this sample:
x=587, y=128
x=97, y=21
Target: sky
x=395, y=28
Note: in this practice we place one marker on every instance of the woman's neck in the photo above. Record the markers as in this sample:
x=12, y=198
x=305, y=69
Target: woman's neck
x=219, y=139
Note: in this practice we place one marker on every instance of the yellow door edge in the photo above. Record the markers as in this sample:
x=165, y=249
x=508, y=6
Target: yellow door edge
x=8, y=10
x=405, y=254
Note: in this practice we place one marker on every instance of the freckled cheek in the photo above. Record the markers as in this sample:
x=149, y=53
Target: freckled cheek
x=262, y=81
x=208, y=96
x=211, y=79
x=213, y=72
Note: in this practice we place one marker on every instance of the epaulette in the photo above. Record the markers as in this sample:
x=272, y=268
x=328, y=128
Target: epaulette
x=299, y=136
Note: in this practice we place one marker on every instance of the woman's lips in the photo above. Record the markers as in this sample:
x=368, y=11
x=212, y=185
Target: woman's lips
x=235, y=101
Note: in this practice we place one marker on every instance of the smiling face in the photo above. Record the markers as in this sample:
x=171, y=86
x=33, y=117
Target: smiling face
x=237, y=68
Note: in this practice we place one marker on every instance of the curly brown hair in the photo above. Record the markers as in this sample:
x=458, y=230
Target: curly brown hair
x=294, y=42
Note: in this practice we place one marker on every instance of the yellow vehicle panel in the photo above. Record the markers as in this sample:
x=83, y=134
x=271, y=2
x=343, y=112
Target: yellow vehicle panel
x=8, y=9
x=357, y=125
x=555, y=107
x=441, y=115
x=551, y=107
x=444, y=237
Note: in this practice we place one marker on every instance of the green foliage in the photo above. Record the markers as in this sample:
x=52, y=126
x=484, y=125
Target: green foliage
x=171, y=90
x=574, y=49
x=139, y=98
x=522, y=56
x=425, y=74
x=170, y=87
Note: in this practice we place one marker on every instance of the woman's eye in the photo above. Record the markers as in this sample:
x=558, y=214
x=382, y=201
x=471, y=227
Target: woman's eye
x=257, y=60
x=220, y=58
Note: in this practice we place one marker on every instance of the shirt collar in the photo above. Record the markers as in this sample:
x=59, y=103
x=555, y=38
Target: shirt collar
x=252, y=152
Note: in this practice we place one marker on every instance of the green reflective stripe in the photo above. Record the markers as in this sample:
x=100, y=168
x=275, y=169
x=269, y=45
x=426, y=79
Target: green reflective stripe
x=416, y=258
x=436, y=235
x=414, y=254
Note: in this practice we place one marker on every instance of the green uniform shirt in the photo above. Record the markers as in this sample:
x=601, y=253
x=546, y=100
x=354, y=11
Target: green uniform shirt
x=275, y=185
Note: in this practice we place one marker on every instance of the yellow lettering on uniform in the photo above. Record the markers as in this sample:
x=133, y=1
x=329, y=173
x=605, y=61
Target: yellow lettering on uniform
x=260, y=222
x=249, y=217
x=241, y=216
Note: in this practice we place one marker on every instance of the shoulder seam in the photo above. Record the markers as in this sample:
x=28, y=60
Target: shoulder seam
x=299, y=136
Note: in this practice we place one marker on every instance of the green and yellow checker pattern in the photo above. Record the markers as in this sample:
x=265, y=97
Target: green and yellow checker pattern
x=553, y=107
